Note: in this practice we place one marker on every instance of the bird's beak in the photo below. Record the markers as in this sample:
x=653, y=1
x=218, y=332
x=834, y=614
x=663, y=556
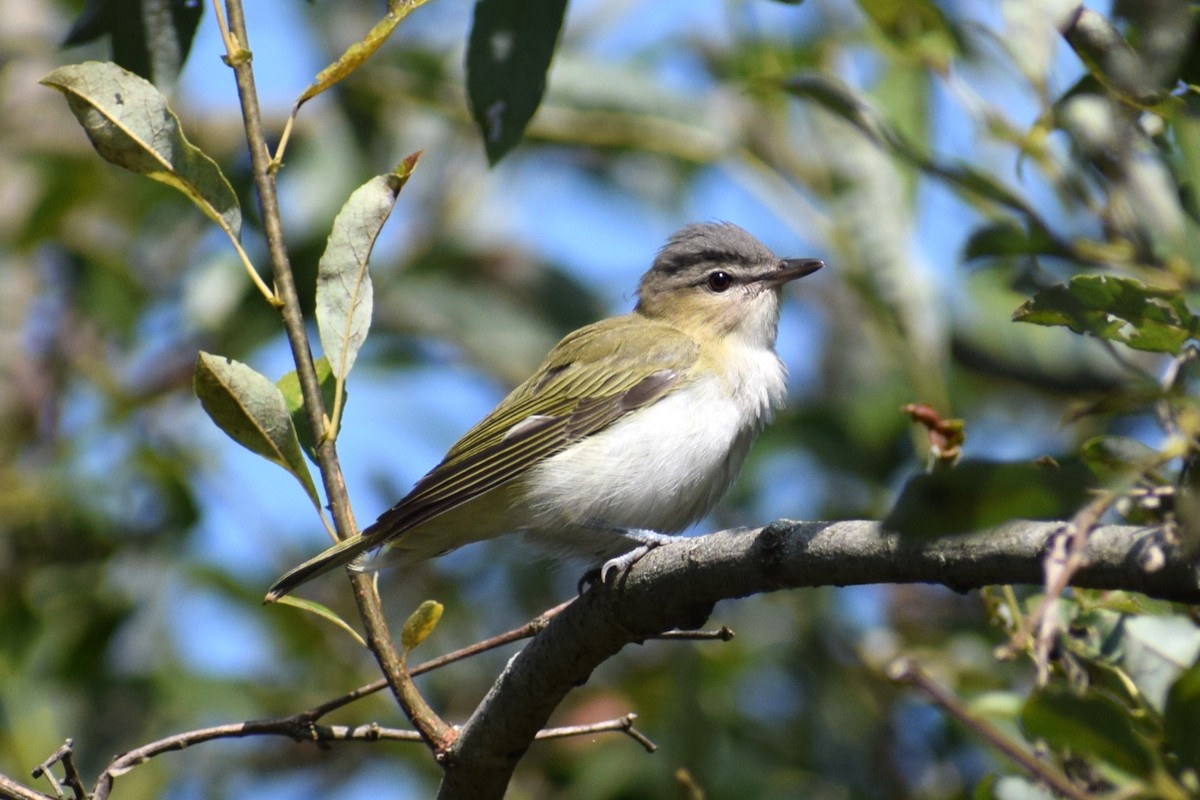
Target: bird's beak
x=789, y=269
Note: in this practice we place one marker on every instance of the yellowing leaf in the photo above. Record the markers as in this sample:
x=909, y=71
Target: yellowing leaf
x=360, y=51
x=420, y=624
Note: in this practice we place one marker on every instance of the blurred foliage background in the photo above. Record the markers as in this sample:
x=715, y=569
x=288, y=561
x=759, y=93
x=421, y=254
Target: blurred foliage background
x=946, y=160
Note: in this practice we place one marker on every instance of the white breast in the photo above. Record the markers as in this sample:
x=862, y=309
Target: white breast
x=661, y=468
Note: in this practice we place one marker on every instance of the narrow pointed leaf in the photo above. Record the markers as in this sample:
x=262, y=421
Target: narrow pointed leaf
x=322, y=611
x=360, y=51
x=1120, y=309
x=289, y=384
x=509, y=52
x=343, y=282
x=252, y=411
x=129, y=124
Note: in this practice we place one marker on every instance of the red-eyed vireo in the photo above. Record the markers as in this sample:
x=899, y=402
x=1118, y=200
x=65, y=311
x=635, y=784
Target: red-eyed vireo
x=633, y=427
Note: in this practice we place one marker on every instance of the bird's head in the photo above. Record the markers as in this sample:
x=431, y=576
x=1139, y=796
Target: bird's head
x=717, y=280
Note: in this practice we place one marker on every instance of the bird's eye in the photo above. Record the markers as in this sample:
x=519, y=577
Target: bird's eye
x=719, y=281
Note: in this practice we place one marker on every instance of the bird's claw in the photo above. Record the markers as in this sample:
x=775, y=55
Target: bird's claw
x=623, y=562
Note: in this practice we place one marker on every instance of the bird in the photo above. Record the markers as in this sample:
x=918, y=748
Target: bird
x=630, y=431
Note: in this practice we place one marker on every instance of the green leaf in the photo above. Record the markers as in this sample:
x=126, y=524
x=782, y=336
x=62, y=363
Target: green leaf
x=149, y=37
x=1011, y=238
x=1119, y=309
x=360, y=51
x=251, y=410
x=129, y=124
x=1157, y=651
x=508, y=54
x=975, y=495
x=1182, y=717
x=322, y=611
x=344, y=296
x=289, y=384
x=1089, y=727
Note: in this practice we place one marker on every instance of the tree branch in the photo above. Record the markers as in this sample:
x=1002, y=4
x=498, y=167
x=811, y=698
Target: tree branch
x=379, y=639
x=677, y=585
x=11, y=790
x=295, y=728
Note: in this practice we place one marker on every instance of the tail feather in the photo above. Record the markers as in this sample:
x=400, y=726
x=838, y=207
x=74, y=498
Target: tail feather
x=339, y=555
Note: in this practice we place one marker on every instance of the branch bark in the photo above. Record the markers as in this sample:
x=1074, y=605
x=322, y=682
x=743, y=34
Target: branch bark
x=677, y=585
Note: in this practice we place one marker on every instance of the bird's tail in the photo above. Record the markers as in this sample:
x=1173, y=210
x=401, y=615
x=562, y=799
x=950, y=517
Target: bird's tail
x=339, y=555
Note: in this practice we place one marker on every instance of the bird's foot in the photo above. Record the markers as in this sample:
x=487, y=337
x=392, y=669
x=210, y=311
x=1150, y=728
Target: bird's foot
x=615, y=565
x=619, y=564
x=646, y=541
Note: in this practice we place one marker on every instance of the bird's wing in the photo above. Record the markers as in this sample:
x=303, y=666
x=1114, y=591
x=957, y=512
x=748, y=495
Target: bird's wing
x=592, y=378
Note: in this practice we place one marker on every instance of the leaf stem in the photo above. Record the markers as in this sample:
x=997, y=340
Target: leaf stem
x=270, y=296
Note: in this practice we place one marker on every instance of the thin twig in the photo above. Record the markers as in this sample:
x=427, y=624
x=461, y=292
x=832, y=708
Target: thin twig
x=294, y=727
x=906, y=670
x=1123, y=361
x=43, y=769
x=722, y=634
x=620, y=724
x=11, y=790
x=525, y=631
x=303, y=726
x=379, y=639
x=64, y=755
x=1064, y=559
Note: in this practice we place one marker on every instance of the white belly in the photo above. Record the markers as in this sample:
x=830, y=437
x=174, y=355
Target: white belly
x=662, y=468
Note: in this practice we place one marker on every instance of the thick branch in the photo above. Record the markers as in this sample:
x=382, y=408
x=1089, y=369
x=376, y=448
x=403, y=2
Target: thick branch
x=677, y=585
